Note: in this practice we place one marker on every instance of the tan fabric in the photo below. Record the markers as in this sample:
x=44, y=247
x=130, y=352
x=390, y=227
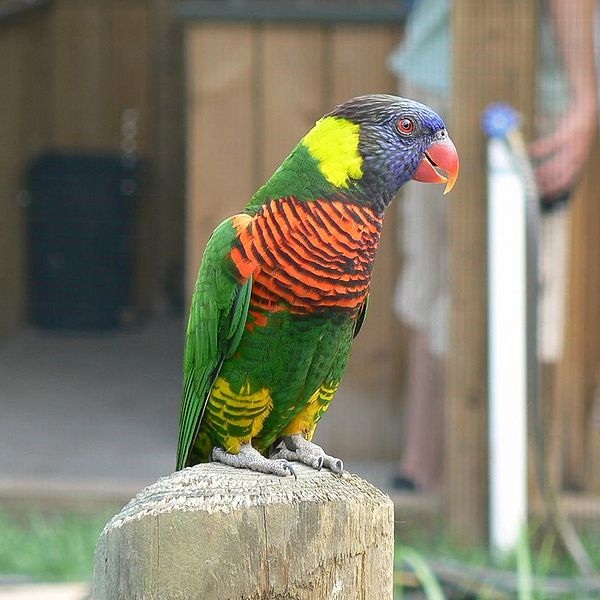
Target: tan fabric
x=422, y=293
x=554, y=254
x=422, y=298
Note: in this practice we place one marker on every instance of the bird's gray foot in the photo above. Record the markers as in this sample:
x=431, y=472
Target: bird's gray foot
x=250, y=458
x=299, y=449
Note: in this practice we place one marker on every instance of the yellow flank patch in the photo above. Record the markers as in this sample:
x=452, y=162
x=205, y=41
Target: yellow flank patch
x=306, y=421
x=333, y=142
x=239, y=416
x=240, y=221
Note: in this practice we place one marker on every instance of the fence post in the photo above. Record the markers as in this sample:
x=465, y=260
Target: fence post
x=213, y=532
x=493, y=60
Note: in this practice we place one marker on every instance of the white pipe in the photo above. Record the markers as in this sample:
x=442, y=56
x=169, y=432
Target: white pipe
x=507, y=347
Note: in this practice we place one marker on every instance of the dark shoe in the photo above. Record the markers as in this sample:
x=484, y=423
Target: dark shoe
x=403, y=484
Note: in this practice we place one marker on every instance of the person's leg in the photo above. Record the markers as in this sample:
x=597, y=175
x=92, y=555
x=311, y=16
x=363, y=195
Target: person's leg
x=424, y=418
x=422, y=303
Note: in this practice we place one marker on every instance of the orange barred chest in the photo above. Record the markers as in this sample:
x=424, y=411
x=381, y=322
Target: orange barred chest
x=309, y=257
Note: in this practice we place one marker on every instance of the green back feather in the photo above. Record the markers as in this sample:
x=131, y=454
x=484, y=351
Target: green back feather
x=324, y=162
x=298, y=176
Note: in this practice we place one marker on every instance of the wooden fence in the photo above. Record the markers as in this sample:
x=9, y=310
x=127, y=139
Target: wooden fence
x=503, y=68
x=71, y=69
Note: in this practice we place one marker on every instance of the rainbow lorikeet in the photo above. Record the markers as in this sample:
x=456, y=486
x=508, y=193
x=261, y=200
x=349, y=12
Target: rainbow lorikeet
x=283, y=286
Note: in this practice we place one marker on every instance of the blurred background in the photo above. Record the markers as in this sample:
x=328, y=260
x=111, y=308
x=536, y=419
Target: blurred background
x=131, y=128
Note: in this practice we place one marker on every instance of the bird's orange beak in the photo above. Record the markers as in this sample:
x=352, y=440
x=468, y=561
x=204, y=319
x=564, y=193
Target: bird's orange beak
x=439, y=165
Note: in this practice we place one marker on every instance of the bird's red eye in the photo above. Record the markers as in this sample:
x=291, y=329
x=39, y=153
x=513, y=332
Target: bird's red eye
x=406, y=125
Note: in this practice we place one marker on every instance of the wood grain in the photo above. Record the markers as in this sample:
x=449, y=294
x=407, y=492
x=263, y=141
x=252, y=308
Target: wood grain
x=216, y=532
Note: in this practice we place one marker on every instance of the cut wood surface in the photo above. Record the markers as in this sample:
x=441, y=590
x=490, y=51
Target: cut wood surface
x=211, y=531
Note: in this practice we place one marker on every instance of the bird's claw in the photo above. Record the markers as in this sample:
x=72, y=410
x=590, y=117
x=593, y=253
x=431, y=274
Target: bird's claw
x=315, y=462
x=333, y=464
x=250, y=458
x=298, y=449
x=290, y=468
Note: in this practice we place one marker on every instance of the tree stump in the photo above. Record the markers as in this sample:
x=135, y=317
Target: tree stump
x=211, y=532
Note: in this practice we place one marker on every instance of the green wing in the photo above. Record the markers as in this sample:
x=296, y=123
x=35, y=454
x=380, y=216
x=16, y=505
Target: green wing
x=217, y=317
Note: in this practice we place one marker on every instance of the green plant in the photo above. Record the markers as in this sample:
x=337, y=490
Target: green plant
x=57, y=547
x=537, y=564
x=524, y=567
x=422, y=571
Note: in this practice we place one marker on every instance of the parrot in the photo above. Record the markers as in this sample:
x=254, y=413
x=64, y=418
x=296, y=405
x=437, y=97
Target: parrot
x=283, y=286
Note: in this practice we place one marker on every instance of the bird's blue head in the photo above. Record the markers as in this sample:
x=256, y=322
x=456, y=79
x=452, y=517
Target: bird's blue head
x=396, y=140
x=365, y=150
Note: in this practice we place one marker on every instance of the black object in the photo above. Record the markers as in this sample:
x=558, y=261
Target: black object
x=403, y=483
x=80, y=241
x=549, y=204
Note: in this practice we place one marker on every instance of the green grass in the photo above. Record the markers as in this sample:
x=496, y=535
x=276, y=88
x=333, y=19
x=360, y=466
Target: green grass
x=56, y=547
x=423, y=573
x=546, y=554
x=538, y=555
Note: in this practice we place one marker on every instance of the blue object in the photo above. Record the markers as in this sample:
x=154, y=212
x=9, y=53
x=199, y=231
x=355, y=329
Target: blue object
x=499, y=119
x=80, y=239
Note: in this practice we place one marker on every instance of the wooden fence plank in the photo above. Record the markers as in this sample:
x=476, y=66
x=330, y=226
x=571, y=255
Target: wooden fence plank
x=221, y=131
x=358, y=59
x=578, y=447
x=37, y=83
x=79, y=95
x=22, y=126
x=493, y=60
x=290, y=98
x=130, y=100
x=168, y=147
x=128, y=72
x=590, y=402
x=13, y=40
x=571, y=372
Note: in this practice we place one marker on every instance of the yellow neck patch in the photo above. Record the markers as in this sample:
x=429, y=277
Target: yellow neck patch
x=333, y=143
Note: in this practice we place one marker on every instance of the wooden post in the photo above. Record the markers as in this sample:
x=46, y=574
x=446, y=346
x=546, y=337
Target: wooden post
x=493, y=60
x=574, y=433
x=216, y=532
